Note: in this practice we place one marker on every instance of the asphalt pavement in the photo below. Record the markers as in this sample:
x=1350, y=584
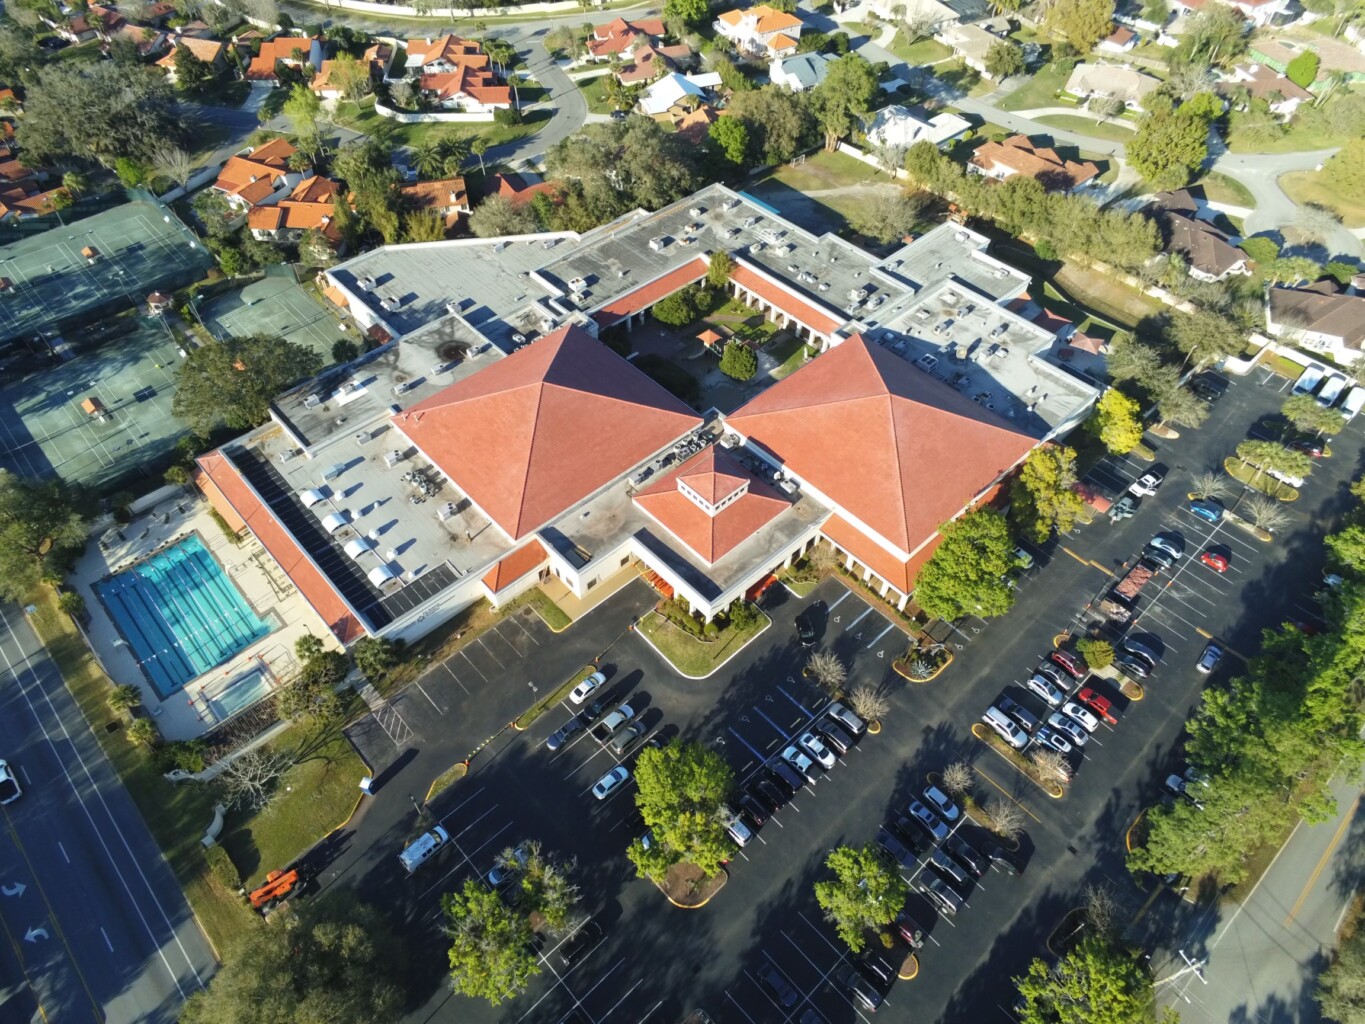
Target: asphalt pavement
x=97, y=925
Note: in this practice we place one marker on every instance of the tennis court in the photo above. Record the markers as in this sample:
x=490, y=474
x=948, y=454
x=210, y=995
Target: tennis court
x=277, y=304
x=139, y=247
x=46, y=431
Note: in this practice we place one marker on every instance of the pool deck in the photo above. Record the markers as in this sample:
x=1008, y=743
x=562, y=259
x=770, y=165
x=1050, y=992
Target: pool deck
x=185, y=715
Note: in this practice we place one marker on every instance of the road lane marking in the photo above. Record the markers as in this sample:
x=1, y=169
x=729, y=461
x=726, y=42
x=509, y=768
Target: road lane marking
x=1322, y=861
x=63, y=849
x=106, y=940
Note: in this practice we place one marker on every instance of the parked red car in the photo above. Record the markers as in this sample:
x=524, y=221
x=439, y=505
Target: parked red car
x=1072, y=664
x=1102, y=706
x=1215, y=560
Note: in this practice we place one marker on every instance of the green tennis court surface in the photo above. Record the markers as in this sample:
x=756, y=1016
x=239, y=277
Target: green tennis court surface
x=275, y=305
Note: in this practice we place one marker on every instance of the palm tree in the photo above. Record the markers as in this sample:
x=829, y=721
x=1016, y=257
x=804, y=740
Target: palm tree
x=427, y=158
x=454, y=150
x=75, y=182
x=479, y=147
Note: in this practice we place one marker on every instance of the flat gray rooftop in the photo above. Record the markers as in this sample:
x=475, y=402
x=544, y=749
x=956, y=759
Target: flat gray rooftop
x=994, y=356
x=953, y=251
x=355, y=401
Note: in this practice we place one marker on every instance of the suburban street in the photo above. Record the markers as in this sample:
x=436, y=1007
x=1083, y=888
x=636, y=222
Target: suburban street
x=97, y=926
x=657, y=963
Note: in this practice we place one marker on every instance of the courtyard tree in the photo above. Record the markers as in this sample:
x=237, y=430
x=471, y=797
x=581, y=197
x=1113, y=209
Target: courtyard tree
x=680, y=790
x=250, y=780
x=1094, y=983
x=313, y=691
x=1203, y=336
x=124, y=698
x=543, y=886
x=1043, y=497
x=780, y=121
x=1133, y=360
x=676, y=309
x=233, y=382
x=1305, y=414
x=491, y=956
x=1098, y=654
x=1181, y=407
x=868, y=702
x=40, y=530
x=738, y=361
x=334, y=960
x=968, y=574
x=1116, y=422
x=845, y=96
x=866, y=892
x=719, y=267
x=959, y=778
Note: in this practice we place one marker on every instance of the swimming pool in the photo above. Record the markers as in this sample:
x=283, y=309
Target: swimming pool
x=180, y=614
x=240, y=693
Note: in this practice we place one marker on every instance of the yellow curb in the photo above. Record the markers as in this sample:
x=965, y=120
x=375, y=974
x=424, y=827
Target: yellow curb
x=1128, y=836
x=913, y=974
x=695, y=906
x=427, y=799
x=895, y=665
x=1141, y=691
x=1060, y=639
x=874, y=727
x=981, y=733
x=1281, y=486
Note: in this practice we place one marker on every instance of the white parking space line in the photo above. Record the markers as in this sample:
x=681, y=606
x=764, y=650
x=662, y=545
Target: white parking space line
x=457, y=807
x=867, y=610
x=428, y=697
x=840, y=600
x=879, y=636
x=622, y=1000
x=738, y=1007
x=472, y=665
x=491, y=654
x=529, y=634
x=446, y=665
x=799, y=706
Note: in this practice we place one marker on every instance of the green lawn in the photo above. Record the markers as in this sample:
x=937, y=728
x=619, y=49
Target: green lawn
x=1121, y=306
x=592, y=90
x=791, y=356
x=1039, y=91
x=823, y=170
x=363, y=119
x=923, y=51
x=1219, y=188
x=692, y=657
x=83, y=53
x=1314, y=187
x=1088, y=126
x=1297, y=139
x=178, y=814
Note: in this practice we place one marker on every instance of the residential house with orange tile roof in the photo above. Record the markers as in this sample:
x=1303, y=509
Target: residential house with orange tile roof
x=467, y=89
x=259, y=178
x=292, y=51
x=645, y=62
x=617, y=36
x=517, y=187
x=310, y=206
x=695, y=126
x=210, y=51
x=377, y=58
x=760, y=31
x=444, y=54
x=150, y=42
x=1018, y=155
x=1262, y=82
x=448, y=198
x=16, y=203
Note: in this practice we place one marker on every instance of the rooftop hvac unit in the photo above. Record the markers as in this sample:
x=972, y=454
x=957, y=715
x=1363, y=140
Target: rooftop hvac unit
x=757, y=247
x=364, y=437
x=392, y=458
x=446, y=511
x=730, y=232
x=950, y=296
x=824, y=286
x=333, y=471
x=333, y=521
x=519, y=338
x=549, y=243
x=312, y=401
x=695, y=211
x=311, y=496
x=729, y=204
x=380, y=575
x=960, y=236
x=578, y=284
x=358, y=546
x=1002, y=273
x=657, y=243
x=290, y=454
x=751, y=221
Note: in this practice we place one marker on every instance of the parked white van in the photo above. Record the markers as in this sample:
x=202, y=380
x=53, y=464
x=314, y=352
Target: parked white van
x=1308, y=380
x=423, y=848
x=1007, y=728
x=1355, y=400
x=1331, y=390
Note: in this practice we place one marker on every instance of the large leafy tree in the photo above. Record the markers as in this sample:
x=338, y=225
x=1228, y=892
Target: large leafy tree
x=1341, y=991
x=1170, y=146
x=490, y=944
x=336, y=960
x=1204, y=336
x=845, y=96
x=1095, y=983
x=499, y=215
x=780, y=121
x=681, y=788
x=1082, y=23
x=99, y=112
x=1043, y=498
x=731, y=136
x=968, y=574
x=367, y=168
x=233, y=381
x=866, y=892
x=1271, y=457
x=1117, y=423
x=191, y=73
x=690, y=12
x=1216, y=35
x=625, y=164
x=39, y=528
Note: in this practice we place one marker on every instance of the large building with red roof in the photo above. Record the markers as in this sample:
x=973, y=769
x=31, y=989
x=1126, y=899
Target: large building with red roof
x=493, y=441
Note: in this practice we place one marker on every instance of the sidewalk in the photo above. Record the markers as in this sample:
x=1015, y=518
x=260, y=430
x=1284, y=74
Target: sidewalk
x=576, y=607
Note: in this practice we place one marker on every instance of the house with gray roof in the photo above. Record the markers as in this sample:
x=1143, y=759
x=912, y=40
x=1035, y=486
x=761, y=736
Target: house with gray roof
x=1320, y=318
x=801, y=72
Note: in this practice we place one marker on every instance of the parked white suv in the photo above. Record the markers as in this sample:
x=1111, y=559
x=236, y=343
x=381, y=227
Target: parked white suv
x=1007, y=728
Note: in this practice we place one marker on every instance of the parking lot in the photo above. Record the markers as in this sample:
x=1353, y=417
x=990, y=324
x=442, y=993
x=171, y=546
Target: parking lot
x=658, y=963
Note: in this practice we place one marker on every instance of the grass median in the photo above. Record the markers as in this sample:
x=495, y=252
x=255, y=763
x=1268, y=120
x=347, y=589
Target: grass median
x=693, y=657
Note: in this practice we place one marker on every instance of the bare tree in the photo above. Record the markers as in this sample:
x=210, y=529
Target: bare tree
x=1317, y=222
x=1101, y=908
x=1051, y=765
x=249, y=779
x=1006, y=818
x=917, y=27
x=1266, y=512
x=1210, y=483
x=959, y=778
x=175, y=164
x=868, y=703
x=401, y=92
x=890, y=158
x=828, y=671
x=822, y=558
